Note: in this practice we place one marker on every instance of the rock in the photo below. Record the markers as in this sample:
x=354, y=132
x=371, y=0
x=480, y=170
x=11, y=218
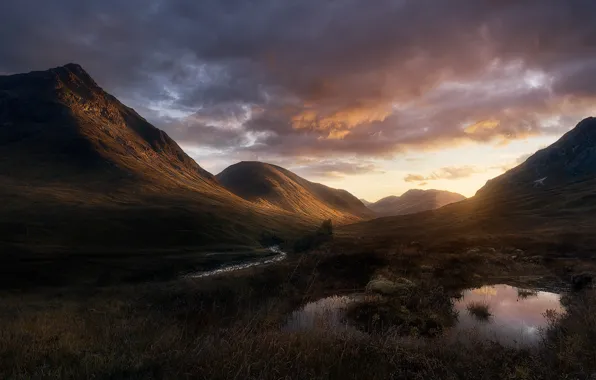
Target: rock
x=477, y=250
x=472, y=251
x=382, y=285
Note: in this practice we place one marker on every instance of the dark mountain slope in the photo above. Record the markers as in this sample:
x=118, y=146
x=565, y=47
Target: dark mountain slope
x=60, y=124
x=276, y=187
x=572, y=158
x=78, y=168
x=413, y=201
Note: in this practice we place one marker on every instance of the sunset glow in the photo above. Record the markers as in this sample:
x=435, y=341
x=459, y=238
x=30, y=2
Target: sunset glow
x=378, y=93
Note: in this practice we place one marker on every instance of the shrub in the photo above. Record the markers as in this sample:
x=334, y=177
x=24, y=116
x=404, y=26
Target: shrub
x=311, y=241
x=479, y=310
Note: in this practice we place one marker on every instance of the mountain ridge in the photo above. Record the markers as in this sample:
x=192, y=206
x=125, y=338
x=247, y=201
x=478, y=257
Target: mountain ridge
x=413, y=201
x=274, y=186
x=569, y=159
x=91, y=131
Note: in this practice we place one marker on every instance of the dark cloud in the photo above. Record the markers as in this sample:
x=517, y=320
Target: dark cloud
x=323, y=78
x=450, y=172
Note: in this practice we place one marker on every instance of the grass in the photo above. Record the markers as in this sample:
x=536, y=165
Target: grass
x=479, y=310
x=526, y=293
x=423, y=309
x=228, y=326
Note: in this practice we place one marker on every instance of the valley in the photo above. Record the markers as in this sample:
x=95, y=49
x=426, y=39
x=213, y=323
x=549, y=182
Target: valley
x=122, y=258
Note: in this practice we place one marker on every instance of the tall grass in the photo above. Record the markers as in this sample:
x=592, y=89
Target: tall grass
x=228, y=328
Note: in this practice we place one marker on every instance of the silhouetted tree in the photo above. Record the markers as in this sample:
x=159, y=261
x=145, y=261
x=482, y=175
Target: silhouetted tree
x=323, y=234
x=326, y=228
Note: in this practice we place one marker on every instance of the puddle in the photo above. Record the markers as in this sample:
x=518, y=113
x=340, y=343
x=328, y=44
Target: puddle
x=280, y=256
x=516, y=315
x=325, y=314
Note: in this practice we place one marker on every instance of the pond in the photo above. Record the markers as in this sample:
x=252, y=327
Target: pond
x=506, y=314
x=513, y=316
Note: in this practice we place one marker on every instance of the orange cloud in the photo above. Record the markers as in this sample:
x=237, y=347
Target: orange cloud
x=450, y=172
x=349, y=117
x=335, y=134
x=484, y=125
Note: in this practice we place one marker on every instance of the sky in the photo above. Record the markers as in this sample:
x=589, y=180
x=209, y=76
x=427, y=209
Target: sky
x=375, y=97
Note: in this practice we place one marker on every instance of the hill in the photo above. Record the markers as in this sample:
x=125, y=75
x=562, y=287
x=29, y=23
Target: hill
x=413, y=201
x=277, y=188
x=79, y=168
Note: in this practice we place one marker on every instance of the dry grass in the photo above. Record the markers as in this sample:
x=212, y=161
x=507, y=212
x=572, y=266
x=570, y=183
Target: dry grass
x=228, y=327
x=122, y=334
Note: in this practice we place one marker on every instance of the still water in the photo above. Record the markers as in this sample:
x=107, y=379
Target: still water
x=517, y=316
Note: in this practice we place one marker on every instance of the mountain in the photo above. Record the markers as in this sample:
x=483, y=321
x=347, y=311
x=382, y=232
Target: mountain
x=80, y=168
x=413, y=201
x=277, y=188
x=59, y=124
x=365, y=202
x=548, y=202
x=571, y=159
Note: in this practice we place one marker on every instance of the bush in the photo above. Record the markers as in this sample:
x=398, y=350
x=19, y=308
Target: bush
x=326, y=228
x=311, y=241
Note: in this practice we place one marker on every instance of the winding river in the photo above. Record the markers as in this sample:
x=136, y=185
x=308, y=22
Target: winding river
x=280, y=256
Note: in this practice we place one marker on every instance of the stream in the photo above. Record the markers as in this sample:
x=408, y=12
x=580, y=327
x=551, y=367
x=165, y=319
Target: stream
x=280, y=256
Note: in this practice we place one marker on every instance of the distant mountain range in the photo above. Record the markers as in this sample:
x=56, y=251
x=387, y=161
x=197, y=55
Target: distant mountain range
x=413, y=201
x=79, y=168
x=278, y=188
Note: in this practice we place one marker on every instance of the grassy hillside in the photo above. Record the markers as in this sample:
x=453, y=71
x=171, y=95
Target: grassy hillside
x=277, y=188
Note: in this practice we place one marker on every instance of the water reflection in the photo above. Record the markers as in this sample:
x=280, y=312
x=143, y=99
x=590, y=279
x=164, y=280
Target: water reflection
x=516, y=315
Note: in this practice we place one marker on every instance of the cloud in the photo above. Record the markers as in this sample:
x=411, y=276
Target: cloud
x=334, y=168
x=516, y=162
x=450, y=172
x=333, y=79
